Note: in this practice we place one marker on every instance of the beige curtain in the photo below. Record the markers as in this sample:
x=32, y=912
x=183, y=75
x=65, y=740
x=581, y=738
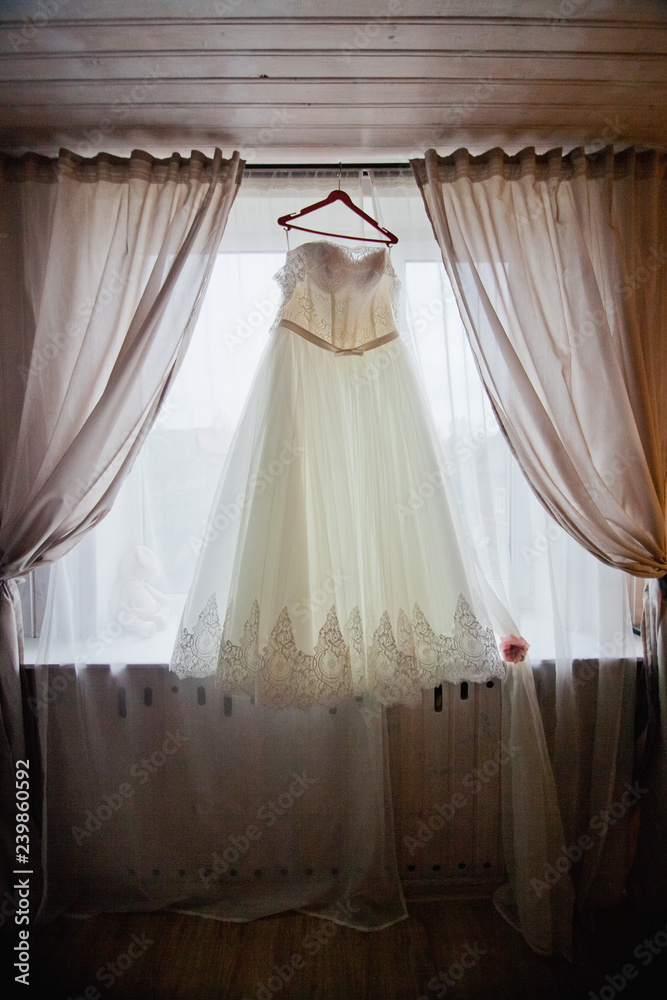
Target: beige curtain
x=558, y=264
x=103, y=265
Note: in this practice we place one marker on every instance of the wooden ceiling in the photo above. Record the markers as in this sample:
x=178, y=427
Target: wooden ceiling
x=309, y=81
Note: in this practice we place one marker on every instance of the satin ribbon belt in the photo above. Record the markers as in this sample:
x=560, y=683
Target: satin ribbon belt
x=368, y=346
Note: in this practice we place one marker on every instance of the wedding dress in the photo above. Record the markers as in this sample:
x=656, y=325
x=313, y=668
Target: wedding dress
x=330, y=565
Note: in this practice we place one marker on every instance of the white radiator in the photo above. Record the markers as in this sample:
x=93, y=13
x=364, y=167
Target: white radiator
x=445, y=758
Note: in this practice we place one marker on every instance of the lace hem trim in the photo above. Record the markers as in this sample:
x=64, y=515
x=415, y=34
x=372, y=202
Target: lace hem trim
x=395, y=667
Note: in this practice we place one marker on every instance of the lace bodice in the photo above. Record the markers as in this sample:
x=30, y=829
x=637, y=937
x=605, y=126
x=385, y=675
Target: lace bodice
x=346, y=297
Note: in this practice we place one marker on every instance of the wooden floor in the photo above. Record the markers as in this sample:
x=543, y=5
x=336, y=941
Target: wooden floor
x=179, y=957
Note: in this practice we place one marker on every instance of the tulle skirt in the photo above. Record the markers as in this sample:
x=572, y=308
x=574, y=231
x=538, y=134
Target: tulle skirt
x=331, y=565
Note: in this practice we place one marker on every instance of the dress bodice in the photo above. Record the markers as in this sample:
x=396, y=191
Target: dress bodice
x=345, y=297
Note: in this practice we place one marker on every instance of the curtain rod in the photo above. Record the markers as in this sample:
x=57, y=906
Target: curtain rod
x=327, y=166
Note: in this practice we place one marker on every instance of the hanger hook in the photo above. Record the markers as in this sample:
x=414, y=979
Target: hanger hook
x=340, y=170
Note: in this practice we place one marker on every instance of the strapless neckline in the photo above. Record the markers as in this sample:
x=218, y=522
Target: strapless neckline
x=353, y=254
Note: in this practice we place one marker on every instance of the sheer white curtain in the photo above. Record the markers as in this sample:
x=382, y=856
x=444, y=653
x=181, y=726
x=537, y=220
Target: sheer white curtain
x=573, y=610
x=237, y=811
x=543, y=256
x=103, y=263
x=568, y=607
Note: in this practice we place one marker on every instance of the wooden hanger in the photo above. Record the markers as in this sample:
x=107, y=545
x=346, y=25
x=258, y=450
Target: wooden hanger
x=337, y=195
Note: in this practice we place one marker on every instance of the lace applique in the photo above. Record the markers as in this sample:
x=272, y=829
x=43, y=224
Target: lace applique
x=359, y=312
x=395, y=667
x=291, y=677
x=196, y=653
x=354, y=637
x=282, y=662
x=240, y=663
x=332, y=262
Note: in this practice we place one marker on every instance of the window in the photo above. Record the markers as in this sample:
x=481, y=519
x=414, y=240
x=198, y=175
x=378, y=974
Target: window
x=117, y=597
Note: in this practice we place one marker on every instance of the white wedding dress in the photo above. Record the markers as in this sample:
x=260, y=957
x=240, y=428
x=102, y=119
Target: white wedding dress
x=331, y=565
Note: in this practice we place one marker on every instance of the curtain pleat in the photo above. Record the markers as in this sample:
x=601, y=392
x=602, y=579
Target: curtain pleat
x=557, y=264
x=103, y=265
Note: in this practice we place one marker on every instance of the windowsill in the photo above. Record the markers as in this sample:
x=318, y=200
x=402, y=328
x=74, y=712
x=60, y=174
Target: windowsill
x=112, y=645
x=124, y=649
x=161, y=656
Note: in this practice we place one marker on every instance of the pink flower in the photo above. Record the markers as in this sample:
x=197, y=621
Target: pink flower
x=513, y=648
